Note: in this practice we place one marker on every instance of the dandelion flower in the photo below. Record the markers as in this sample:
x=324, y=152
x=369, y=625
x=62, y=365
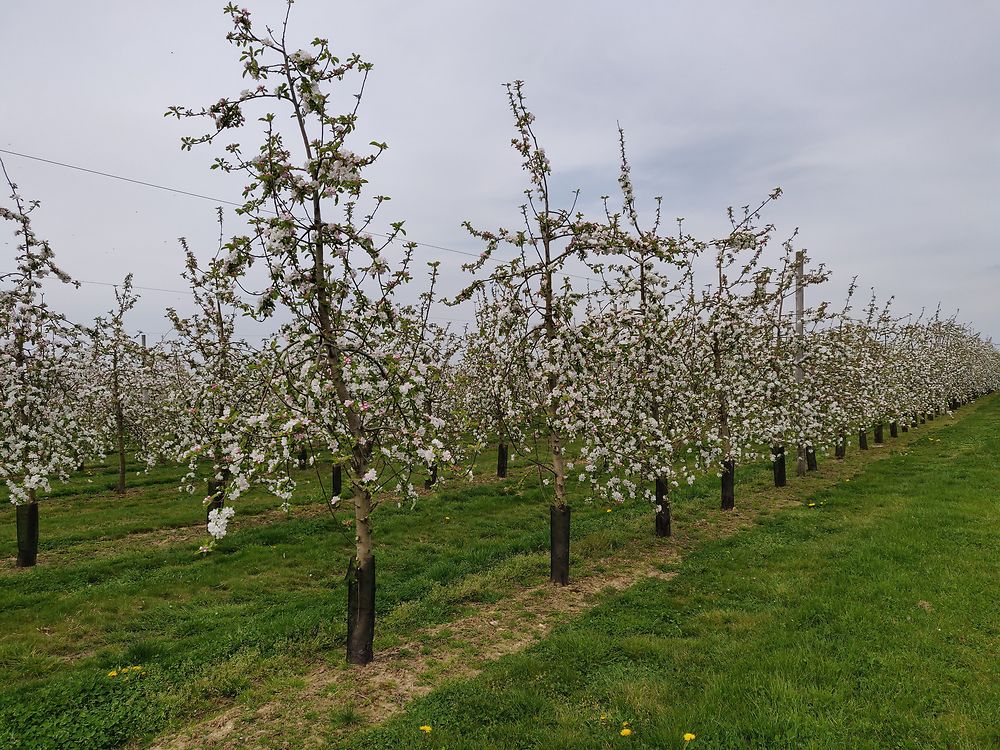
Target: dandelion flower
x=688, y=736
x=625, y=732
x=812, y=505
x=426, y=729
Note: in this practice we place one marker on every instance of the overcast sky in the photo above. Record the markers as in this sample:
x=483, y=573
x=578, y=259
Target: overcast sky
x=878, y=119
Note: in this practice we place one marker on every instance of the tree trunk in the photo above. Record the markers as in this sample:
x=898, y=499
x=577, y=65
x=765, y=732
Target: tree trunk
x=904, y=427
x=120, y=444
x=559, y=544
x=811, y=464
x=303, y=458
x=662, y=507
x=863, y=439
x=778, y=465
x=432, y=479
x=728, y=485
x=894, y=429
x=840, y=451
x=216, y=493
x=337, y=480
x=361, y=575
x=361, y=611
x=879, y=434
x=27, y=534
x=502, y=460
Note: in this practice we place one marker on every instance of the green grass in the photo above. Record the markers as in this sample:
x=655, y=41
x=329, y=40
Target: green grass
x=232, y=626
x=871, y=620
x=726, y=650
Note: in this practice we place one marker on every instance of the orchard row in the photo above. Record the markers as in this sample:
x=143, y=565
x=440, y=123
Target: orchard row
x=607, y=349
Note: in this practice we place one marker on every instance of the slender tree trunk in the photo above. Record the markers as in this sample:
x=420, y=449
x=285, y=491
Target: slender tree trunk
x=303, y=457
x=894, y=429
x=728, y=485
x=725, y=437
x=811, y=463
x=432, y=479
x=904, y=427
x=502, y=460
x=216, y=494
x=120, y=445
x=27, y=532
x=361, y=577
x=662, y=507
x=863, y=439
x=778, y=465
x=879, y=434
x=840, y=451
x=559, y=518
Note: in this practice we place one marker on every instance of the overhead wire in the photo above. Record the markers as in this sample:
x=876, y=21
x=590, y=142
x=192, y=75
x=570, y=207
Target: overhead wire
x=190, y=194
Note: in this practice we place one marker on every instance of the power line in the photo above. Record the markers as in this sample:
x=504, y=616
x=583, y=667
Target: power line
x=190, y=194
x=118, y=177
x=190, y=294
x=142, y=288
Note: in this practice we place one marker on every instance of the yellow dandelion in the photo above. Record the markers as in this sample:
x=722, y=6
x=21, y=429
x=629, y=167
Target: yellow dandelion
x=426, y=729
x=113, y=673
x=625, y=732
x=812, y=505
x=604, y=717
x=607, y=510
x=688, y=736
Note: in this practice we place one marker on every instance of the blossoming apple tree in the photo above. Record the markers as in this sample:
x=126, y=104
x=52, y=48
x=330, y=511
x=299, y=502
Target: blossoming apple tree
x=350, y=370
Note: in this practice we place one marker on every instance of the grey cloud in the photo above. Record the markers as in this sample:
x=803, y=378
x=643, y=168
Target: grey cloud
x=878, y=119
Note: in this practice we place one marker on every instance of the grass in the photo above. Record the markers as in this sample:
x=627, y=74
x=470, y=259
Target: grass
x=804, y=632
x=867, y=621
